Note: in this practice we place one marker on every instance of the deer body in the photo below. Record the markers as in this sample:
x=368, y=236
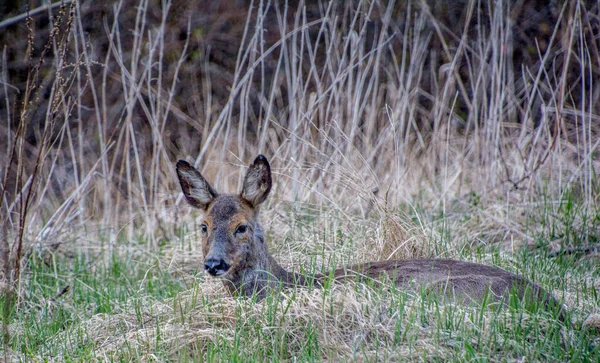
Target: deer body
x=234, y=249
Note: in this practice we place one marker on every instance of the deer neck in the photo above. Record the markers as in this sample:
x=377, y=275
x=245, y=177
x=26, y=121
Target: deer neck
x=262, y=273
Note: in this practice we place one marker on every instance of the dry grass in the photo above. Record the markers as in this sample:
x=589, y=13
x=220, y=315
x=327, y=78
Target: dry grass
x=344, y=327
x=474, y=155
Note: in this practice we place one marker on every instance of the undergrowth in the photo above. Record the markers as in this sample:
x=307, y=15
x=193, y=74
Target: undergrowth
x=125, y=304
x=395, y=130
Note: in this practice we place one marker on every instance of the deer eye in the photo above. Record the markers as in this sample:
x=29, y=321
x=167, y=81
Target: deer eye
x=204, y=228
x=241, y=229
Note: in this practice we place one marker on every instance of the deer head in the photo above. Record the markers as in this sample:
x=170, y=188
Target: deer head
x=232, y=238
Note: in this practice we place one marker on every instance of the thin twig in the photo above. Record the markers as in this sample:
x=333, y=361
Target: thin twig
x=32, y=13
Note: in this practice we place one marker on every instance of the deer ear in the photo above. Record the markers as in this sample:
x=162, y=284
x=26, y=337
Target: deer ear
x=196, y=189
x=257, y=183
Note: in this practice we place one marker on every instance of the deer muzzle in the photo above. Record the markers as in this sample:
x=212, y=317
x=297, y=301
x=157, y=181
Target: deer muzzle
x=216, y=267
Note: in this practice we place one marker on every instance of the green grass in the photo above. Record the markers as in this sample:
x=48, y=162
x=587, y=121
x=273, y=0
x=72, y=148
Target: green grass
x=104, y=284
x=130, y=306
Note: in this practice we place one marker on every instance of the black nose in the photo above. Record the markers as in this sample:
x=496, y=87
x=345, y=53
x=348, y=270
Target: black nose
x=216, y=267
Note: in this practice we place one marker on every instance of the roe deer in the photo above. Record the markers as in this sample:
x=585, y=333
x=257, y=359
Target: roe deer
x=234, y=248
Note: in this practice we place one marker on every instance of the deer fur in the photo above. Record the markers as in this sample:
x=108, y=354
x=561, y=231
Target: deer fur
x=234, y=248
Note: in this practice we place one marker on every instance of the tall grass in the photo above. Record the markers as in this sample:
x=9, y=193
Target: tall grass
x=473, y=139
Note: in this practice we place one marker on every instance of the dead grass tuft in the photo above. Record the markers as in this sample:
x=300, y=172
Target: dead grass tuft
x=592, y=322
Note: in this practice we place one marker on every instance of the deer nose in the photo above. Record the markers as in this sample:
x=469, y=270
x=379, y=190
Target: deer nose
x=216, y=267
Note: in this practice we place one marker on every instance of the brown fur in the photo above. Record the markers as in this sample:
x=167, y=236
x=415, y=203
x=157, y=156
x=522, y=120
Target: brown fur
x=248, y=269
